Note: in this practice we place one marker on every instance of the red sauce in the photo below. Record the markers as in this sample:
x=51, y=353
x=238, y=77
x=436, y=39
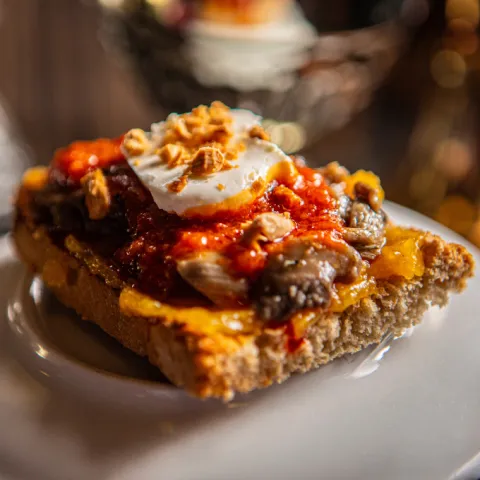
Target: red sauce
x=159, y=238
x=82, y=157
x=293, y=343
x=156, y=239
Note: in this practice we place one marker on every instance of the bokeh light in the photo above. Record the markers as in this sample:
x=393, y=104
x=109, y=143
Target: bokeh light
x=448, y=69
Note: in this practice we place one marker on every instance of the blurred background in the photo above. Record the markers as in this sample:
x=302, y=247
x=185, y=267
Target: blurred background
x=387, y=85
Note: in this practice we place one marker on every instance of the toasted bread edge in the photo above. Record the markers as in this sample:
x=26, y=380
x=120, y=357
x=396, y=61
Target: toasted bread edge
x=220, y=365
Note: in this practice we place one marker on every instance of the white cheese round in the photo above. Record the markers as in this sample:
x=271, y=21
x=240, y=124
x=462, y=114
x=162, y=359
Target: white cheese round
x=252, y=165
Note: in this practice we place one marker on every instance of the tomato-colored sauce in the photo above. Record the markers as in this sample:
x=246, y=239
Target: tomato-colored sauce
x=156, y=239
x=160, y=238
x=293, y=342
x=82, y=157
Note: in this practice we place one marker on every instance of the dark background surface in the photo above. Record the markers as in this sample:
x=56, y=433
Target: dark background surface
x=60, y=84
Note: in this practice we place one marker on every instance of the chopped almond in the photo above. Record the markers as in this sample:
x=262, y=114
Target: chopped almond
x=201, y=112
x=97, y=196
x=192, y=121
x=258, y=132
x=136, y=142
x=178, y=185
x=267, y=227
x=334, y=173
x=181, y=129
x=287, y=197
x=219, y=110
x=172, y=154
x=218, y=133
x=207, y=160
x=201, y=139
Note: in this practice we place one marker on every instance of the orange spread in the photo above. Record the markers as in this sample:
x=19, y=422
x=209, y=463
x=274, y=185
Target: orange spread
x=368, y=178
x=401, y=256
x=198, y=319
x=347, y=295
x=35, y=178
x=82, y=157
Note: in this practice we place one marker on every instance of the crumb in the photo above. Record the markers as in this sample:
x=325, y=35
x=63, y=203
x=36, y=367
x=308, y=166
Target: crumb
x=136, y=142
x=258, y=132
x=97, y=195
x=207, y=160
x=287, y=197
x=178, y=185
x=201, y=140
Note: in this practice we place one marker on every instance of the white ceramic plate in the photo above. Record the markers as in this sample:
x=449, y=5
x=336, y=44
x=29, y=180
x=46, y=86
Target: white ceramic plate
x=415, y=417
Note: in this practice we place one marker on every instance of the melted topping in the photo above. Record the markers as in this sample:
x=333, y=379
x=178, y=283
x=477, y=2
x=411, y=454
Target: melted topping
x=145, y=254
x=206, y=320
x=212, y=215
x=160, y=238
x=146, y=257
x=401, y=256
x=71, y=163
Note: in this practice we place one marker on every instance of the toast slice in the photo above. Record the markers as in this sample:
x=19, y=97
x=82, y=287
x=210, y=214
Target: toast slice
x=229, y=264
x=218, y=364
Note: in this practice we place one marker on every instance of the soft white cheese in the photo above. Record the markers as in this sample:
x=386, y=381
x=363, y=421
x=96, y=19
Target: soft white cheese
x=253, y=164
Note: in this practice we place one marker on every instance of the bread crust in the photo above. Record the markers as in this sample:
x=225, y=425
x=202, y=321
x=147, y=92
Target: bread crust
x=219, y=365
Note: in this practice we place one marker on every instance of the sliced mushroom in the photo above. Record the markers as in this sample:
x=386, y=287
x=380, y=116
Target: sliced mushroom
x=267, y=227
x=369, y=195
x=208, y=274
x=362, y=212
x=302, y=277
x=365, y=230
x=344, y=206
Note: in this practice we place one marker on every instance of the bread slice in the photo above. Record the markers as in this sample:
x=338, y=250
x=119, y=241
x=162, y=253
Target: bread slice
x=218, y=364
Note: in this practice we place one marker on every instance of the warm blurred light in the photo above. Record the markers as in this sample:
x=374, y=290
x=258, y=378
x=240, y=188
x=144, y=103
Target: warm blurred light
x=289, y=136
x=460, y=25
x=474, y=235
x=424, y=182
x=453, y=158
x=159, y=3
x=448, y=69
x=467, y=10
x=111, y=3
x=463, y=42
x=457, y=213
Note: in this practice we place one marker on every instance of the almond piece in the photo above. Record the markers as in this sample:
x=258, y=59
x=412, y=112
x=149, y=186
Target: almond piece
x=258, y=132
x=136, y=142
x=334, y=173
x=287, y=197
x=97, y=196
x=181, y=129
x=173, y=155
x=267, y=227
x=218, y=133
x=207, y=160
x=178, y=185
